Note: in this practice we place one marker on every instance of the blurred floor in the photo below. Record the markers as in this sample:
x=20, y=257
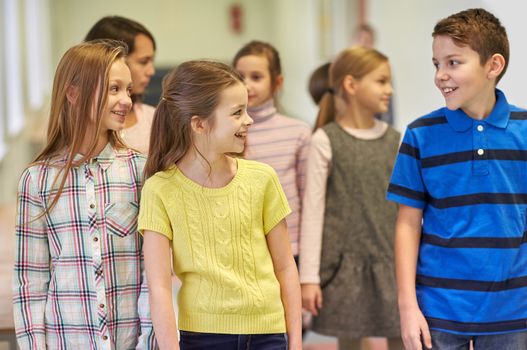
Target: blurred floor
x=315, y=341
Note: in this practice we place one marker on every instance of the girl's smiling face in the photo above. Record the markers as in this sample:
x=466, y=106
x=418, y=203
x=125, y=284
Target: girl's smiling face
x=231, y=121
x=119, y=101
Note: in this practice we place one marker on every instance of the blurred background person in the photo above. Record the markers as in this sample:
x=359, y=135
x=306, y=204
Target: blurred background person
x=140, y=59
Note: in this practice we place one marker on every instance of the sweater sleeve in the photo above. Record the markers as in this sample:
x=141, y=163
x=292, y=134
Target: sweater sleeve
x=313, y=207
x=153, y=213
x=275, y=206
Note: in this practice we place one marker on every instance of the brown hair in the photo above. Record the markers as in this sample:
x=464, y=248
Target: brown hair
x=480, y=30
x=86, y=69
x=120, y=28
x=191, y=89
x=260, y=48
x=357, y=62
x=319, y=82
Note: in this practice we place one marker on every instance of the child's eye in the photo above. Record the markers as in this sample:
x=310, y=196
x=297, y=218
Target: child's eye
x=114, y=88
x=436, y=65
x=453, y=62
x=238, y=112
x=129, y=91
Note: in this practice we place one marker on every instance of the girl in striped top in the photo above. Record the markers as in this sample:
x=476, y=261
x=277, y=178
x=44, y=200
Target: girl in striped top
x=78, y=274
x=274, y=139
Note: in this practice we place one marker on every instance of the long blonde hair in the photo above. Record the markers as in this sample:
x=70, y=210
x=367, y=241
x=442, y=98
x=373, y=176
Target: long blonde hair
x=83, y=72
x=357, y=62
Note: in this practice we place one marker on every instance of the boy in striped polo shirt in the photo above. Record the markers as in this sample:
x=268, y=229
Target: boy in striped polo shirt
x=460, y=181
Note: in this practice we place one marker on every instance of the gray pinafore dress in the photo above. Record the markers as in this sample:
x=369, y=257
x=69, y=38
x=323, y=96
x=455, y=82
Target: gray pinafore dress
x=357, y=263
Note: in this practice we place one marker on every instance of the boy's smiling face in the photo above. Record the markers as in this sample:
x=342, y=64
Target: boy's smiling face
x=464, y=82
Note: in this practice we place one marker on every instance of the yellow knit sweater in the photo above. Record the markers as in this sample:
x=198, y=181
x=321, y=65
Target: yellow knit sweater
x=219, y=247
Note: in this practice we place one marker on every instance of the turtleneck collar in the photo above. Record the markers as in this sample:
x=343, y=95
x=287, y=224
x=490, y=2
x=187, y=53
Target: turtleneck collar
x=262, y=112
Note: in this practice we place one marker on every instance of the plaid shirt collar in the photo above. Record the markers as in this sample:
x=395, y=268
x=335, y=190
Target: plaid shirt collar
x=103, y=159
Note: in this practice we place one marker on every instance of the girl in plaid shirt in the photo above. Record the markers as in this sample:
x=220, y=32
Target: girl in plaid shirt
x=78, y=275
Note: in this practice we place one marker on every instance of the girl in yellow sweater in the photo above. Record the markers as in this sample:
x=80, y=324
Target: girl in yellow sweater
x=218, y=220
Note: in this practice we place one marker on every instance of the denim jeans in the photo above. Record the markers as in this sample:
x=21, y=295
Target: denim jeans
x=194, y=340
x=507, y=341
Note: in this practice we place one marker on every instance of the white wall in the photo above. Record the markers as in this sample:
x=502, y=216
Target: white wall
x=404, y=31
x=511, y=14
x=193, y=29
x=183, y=29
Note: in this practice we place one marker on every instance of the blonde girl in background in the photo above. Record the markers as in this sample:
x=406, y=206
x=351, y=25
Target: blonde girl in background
x=141, y=51
x=274, y=139
x=219, y=220
x=78, y=275
x=346, y=253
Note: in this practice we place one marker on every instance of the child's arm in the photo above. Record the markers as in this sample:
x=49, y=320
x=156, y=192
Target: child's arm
x=301, y=163
x=146, y=339
x=407, y=236
x=313, y=209
x=32, y=267
x=156, y=248
x=312, y=297
x=287, y=275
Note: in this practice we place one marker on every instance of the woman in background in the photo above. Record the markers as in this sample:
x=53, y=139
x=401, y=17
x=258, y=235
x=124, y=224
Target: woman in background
x=141, y=51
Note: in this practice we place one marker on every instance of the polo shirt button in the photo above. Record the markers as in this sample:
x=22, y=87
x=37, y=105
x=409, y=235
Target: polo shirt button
x=92, y=206
x=101, y=306
x=480, y=128
x=95, y=239
x=481, y=152
x=104, y=337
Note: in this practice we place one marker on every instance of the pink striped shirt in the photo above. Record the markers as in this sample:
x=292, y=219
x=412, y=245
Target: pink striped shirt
x=283, y=143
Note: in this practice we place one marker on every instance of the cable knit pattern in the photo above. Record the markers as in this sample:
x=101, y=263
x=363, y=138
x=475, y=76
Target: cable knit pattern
x=219, y=247
x=283, y=143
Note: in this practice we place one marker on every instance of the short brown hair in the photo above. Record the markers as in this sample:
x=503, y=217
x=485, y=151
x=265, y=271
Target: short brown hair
x=480, y=30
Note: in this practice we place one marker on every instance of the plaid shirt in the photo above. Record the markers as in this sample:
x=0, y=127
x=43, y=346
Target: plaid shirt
x=78, y=277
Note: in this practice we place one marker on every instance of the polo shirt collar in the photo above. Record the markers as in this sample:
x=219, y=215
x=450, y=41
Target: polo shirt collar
x=498, y=117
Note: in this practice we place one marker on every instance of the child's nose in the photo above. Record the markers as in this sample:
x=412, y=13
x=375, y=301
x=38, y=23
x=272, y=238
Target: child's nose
x=389, y=89
x=248, y=119
x=126, y=100
x=441, y=74
x=151, y=70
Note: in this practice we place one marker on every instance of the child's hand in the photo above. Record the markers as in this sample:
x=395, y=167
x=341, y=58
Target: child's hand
x=414, y=328
x=311, y=297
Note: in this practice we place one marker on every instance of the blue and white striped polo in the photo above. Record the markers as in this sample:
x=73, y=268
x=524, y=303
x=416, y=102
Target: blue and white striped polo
x=470, y=179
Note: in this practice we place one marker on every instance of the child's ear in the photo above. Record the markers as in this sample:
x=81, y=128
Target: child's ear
x=349, y=84
x=199, y=125
x=496, y=64
x=72, y=93
x=278, y=82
